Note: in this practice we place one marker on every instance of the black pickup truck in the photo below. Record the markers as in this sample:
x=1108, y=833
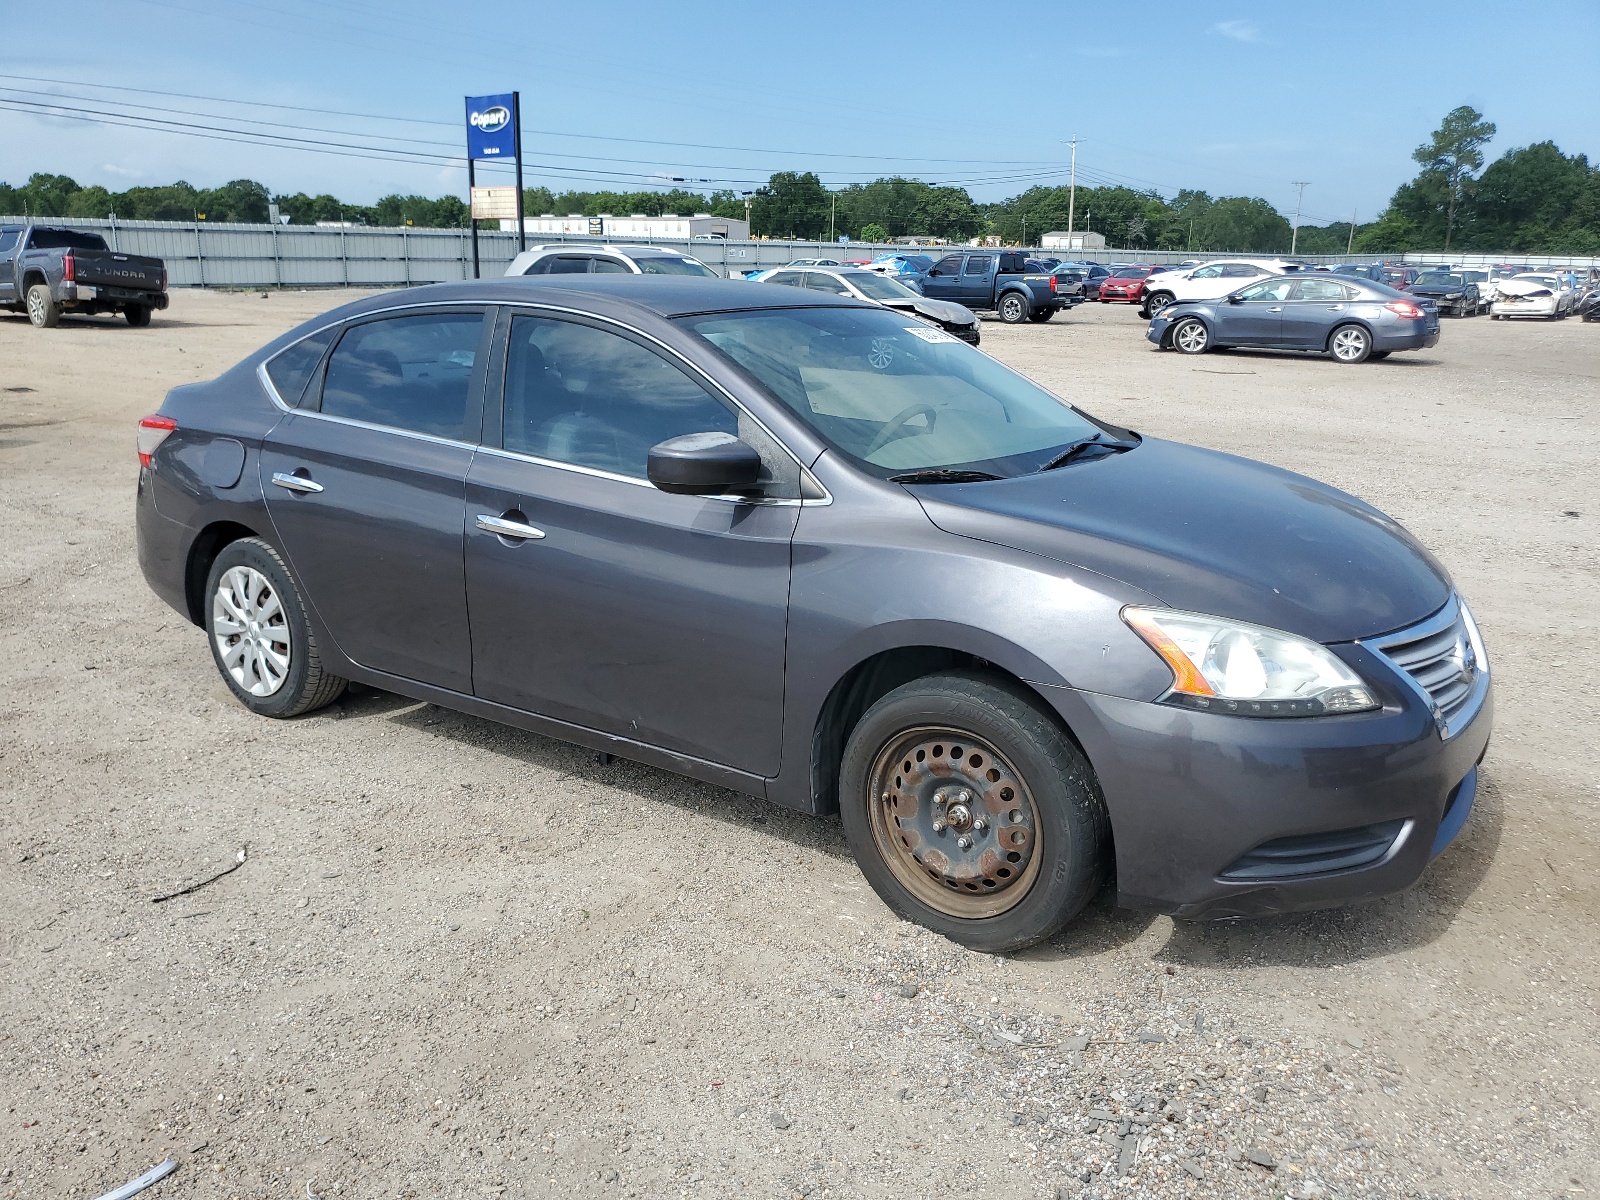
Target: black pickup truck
x=999, y=281
x=45, y=272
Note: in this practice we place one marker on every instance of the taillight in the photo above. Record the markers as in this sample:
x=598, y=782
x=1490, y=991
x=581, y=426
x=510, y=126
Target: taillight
x=163, y=279
x=153, y=430
x=1052, y=283
x=1404, y=308
x=69, y=268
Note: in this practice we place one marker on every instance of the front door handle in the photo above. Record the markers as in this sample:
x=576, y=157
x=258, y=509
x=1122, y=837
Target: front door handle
x=504, y=527
x=295, y=483
x=1279, y=309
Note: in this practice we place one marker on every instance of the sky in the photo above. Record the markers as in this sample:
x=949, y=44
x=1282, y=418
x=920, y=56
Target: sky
x=1231, y=98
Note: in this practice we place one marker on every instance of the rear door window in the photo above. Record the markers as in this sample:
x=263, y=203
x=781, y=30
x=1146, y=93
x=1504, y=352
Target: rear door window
x=978, y=264
x=1320, y=289
x=818, y=282
x=1242, y=271
x=569, y=264
x=290, y=370
x=611, y=266
x=413, y=373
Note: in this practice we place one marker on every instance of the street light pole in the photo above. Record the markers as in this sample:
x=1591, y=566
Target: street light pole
x=1072, y=190
x=1294, y=238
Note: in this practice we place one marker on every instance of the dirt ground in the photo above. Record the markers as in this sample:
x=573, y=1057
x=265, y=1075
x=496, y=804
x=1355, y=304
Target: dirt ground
x=464, y=960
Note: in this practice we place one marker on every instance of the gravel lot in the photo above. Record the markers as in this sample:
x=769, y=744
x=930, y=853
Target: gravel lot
x=464, y=960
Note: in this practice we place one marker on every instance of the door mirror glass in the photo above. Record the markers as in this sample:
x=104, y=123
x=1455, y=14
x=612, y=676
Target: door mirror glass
x=704, y=464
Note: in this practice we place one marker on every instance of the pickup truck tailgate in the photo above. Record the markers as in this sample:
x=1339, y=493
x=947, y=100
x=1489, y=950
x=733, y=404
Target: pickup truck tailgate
x=103, y=268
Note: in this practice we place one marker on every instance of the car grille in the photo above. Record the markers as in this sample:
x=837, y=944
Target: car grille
x=1316, y=853
x=1438, y=657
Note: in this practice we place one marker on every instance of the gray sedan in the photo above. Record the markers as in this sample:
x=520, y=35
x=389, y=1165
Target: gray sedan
x=1353, y=320
x=810, y=550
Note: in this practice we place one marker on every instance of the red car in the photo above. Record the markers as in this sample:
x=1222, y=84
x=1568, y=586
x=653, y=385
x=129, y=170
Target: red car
x=1125, y=284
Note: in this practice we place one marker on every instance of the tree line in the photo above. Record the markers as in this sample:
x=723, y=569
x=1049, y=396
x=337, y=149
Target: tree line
x=1533, y=199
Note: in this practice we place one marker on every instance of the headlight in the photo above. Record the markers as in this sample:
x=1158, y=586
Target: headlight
x=1233, y=667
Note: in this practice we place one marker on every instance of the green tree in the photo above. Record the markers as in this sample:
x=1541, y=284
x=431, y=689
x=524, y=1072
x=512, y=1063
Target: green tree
x=1451, y=155
x=1241, y=223
x=874, y=233
x=1536, y=199
x=791, y=205
x=537, y=200
x=49, y=195
x=92, y=201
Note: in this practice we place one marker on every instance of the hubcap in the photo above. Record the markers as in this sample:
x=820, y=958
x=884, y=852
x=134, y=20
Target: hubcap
x=954, y=822
x=1192, y=336
x=1348, y=343
x=251, y=631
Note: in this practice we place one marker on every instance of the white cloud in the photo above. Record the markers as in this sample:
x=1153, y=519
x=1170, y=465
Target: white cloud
x=122, y=172
x=1239, y=31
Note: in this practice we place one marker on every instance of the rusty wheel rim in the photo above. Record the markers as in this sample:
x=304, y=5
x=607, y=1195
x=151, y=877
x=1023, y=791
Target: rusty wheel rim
x=954, y=822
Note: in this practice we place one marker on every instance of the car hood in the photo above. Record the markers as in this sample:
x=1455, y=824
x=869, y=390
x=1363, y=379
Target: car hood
x=937, y=310
x=1211, y=533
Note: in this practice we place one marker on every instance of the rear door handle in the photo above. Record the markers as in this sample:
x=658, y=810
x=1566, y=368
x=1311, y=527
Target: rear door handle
x=508, y=528
x=295, y=483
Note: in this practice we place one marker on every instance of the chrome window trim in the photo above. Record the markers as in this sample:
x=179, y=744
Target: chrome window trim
x=1448, y=616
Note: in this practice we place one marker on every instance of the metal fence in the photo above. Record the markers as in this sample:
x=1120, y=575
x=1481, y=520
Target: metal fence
x=208, y=254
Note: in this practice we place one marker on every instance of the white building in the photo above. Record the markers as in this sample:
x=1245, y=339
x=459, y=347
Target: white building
x=637, y=227
x=1072, y=241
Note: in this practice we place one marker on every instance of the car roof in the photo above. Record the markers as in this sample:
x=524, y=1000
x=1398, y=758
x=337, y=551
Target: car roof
x=663, y=295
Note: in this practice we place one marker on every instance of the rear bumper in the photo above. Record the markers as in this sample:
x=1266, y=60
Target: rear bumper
x=163, y=547
x=1202, y=804
x=1419, y=338
x=91, y=293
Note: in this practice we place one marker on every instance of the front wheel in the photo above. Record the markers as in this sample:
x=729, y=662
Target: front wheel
x=43, y=311
x=1190, y=336
x=1013, y=308
x=1350, y=344
x=260, y=637
x=1156, y=303
x=970, y=811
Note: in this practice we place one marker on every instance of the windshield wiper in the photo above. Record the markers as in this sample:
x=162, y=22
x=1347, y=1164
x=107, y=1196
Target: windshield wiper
x=1092, y=442
x=941, y=475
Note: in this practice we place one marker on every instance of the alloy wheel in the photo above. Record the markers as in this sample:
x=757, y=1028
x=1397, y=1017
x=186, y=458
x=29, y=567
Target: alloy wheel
x=36, y=311
x=1191, y=337
x=251, y=631
x=954, y=822
x=1349, y=344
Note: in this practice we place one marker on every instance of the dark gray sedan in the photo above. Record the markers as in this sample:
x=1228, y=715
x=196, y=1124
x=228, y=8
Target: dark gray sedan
x=1352, y=320
x=819, y=552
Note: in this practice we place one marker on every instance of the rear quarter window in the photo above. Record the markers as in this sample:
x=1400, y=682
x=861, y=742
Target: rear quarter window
x=291, y=370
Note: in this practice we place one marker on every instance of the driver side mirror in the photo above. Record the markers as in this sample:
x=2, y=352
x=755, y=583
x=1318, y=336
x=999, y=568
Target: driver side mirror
x=1235, y=298
x=703, y=464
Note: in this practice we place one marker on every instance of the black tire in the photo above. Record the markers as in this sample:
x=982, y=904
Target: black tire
x=1054, y=856
x=1014, y=308
x=1350, y=344
x=43, y=311
x=1189, y=336
x=138, y=315
x=1156, y=303
x=1040, y=315
x=304, y=686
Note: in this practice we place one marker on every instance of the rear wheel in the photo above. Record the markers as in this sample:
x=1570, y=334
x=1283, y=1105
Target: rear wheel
x=1190, y=336
x=1350, y=344
x=1040, y=315
x=43, y=312
x=1013, y=308
x=138, y=315
x=970, y=811
x=261, y=640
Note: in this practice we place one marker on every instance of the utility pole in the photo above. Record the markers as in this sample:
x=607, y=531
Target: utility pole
x=1349, y=245
x=747, y=230
x=1072, y=189
x=1294, y=238
x=833, y=206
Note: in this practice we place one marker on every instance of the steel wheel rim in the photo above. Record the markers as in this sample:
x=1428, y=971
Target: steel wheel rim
x=1348, y=343
x=1013, y=307
x=1191, y=336
x=251, y=631
x=35, y=307
x=934, y=788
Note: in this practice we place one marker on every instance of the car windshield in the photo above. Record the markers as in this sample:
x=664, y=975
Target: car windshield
x=1132, y=273
x=664, y=264
x=1475, y=276
x=897, y=397
x=1441, y=279
x=879, y=287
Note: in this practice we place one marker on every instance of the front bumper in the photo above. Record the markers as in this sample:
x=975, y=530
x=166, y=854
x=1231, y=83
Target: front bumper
x=1199, y=801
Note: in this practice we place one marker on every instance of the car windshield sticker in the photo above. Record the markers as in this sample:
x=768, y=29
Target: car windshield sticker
x=930, y=335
